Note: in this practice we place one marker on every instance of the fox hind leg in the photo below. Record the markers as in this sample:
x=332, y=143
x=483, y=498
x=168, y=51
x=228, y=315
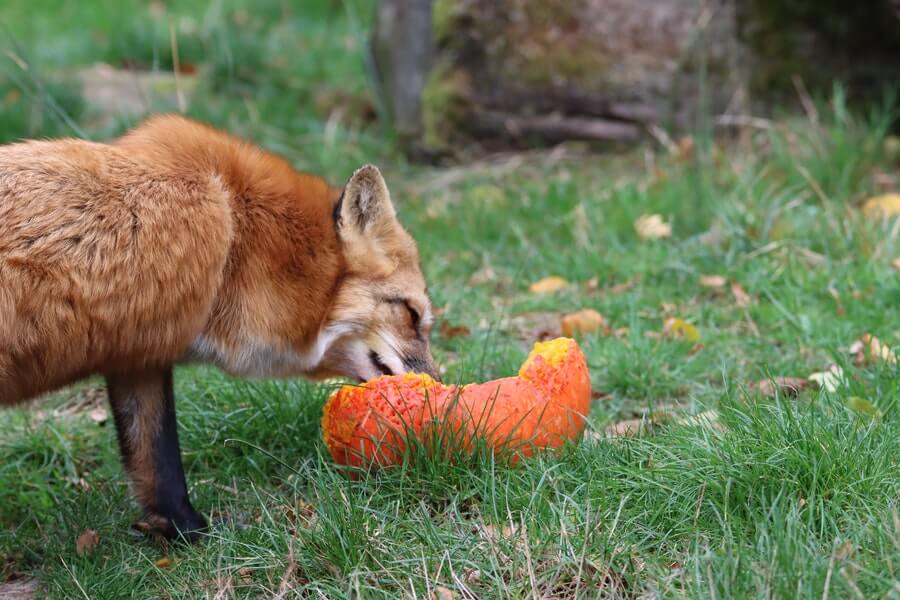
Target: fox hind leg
x=143, y=405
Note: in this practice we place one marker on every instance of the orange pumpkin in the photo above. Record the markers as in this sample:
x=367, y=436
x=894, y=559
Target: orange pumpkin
x=543, y=407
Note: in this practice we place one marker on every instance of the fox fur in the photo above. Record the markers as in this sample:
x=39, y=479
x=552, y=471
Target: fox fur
x=178, y=242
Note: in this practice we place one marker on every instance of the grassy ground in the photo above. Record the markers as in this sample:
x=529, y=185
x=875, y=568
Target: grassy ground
x=784, y=497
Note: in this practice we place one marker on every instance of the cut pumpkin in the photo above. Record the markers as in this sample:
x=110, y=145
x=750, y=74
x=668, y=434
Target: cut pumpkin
x=543, y=407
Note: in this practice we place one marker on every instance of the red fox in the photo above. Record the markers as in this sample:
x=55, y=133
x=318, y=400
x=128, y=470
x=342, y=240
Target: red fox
x=178, y=242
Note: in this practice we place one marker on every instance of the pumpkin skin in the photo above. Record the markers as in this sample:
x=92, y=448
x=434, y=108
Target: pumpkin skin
x=542, y=408
x=369, y=423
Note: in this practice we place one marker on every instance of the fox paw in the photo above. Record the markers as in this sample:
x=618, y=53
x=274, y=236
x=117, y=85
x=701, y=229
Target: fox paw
x=189, y=526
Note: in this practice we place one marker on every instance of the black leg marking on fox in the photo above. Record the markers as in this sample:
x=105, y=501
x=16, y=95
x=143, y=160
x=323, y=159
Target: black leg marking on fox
x=143, y=405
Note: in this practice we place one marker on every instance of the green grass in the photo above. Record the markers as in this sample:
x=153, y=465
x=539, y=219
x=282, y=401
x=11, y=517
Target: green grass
x=798, y=497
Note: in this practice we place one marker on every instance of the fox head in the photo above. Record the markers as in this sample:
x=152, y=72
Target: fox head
x=381, y=316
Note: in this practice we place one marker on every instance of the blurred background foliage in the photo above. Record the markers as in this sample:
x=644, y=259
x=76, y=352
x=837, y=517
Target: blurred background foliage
x=291, y=73
x=432, y=78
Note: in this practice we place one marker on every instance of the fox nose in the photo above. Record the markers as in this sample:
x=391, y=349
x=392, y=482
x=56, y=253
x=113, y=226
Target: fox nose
x=421, y=365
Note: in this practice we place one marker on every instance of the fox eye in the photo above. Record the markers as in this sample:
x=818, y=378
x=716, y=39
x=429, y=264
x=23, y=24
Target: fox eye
x=414, y=316
x=379, y=364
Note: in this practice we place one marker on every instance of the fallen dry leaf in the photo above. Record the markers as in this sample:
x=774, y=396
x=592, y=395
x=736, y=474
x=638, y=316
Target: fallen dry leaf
x=707, y=418
x=741, y=298
x=639, y=563
x=163, y=563
x=884, y=180
x=83, y=401
x=713, y=237
x=506, y=531
x=642, y=424
x=99, y=415
x=12, y=96
x=449, y=331
x=712, y=281
x=535, y=326
x=789, y=386
x=583, y=321
x=18, y=589
x=892, y=148
x=864, y=407
x=483, y=275
x=627, y=427
x=679, y=328
x=652, y=227
x=839, y=306
x=86, y=542
x=301, y=512
x=869, y=349
x=684, y=149
x=884, y=205
x=548, y=285
x=581, y=226
x=624, y=286
x=494, y=533
x=598, y=394
x=442, y=593
x=845, y=550
x=830, y=379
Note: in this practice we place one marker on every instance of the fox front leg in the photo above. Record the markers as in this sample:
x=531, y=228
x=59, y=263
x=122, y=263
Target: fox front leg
x=143, y=405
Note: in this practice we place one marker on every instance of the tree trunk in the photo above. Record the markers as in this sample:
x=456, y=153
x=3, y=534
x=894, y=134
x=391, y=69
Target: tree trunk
x=401, y=47
x=472, y=74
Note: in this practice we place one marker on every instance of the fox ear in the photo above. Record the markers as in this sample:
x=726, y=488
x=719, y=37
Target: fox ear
x=367, y=224
x=365, y=203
